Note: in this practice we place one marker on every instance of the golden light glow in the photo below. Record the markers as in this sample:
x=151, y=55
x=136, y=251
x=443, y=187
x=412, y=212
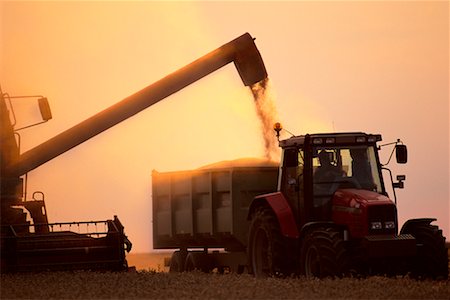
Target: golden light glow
x=344, y=66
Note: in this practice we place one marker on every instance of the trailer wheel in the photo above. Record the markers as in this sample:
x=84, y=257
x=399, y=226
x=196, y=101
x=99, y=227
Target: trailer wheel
x=432, y=257
x=197, y=261
x=267, y=253
x=177, y=262
x=323, y=254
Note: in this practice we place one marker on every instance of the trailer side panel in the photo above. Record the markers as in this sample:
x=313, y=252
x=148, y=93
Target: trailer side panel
x=206, y=208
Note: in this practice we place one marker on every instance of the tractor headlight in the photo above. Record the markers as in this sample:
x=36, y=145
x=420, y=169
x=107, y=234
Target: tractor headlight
x=375, y=225
x=389, y=225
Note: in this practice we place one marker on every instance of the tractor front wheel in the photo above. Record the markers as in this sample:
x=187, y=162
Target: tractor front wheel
x=323, y=254
x=432, y=257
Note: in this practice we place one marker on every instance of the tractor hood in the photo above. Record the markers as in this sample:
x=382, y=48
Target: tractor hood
x=356, y=198
x=359, y=210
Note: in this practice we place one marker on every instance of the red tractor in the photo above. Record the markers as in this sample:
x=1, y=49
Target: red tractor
x=331, y=215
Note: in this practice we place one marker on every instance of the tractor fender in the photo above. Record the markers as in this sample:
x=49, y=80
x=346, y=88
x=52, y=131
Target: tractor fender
x=413, y=222
x=279, y=205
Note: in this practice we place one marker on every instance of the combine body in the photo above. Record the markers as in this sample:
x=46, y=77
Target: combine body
x=330, y=215
x=28, y=241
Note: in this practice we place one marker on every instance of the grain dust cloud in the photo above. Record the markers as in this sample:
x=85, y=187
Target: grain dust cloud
x=267, y=114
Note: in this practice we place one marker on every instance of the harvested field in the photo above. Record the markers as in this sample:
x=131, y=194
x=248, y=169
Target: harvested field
x=162, y=285
x=132, y=285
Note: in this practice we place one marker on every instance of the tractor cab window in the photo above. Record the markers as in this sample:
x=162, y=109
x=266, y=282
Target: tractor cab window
x=343, y=167
x=363, y=168
x=291, y=180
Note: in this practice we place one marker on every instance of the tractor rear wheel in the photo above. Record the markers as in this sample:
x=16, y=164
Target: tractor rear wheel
x=432, y=257
x=267, y=248
x=323, y=254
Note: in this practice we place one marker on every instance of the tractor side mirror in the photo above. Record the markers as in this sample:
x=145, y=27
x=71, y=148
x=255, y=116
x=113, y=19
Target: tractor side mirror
x=44, y=108
x=401, y=154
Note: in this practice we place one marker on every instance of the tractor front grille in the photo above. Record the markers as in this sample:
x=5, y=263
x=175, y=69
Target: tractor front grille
x=382, y=219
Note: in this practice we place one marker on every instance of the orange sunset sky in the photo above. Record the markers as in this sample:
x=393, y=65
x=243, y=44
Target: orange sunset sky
x=377, y=67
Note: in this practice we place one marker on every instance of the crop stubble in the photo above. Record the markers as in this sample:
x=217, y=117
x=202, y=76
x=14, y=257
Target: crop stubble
x=145, y=284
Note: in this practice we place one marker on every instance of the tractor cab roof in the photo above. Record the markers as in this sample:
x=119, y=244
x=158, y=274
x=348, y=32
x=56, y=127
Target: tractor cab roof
x=331, y=139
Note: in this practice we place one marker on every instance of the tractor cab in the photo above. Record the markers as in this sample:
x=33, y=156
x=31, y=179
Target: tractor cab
x=315, y=166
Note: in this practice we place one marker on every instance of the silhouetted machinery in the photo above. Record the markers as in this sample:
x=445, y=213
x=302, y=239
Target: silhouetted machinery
x=323, y=211
x=28, y=241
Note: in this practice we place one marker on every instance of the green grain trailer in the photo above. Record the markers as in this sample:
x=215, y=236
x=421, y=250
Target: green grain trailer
x=201, y=211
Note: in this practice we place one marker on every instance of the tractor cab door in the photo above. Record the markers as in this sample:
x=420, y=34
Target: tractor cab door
x=291, y=180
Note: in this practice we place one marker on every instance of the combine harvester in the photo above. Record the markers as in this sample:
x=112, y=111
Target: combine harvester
x=28, y=241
